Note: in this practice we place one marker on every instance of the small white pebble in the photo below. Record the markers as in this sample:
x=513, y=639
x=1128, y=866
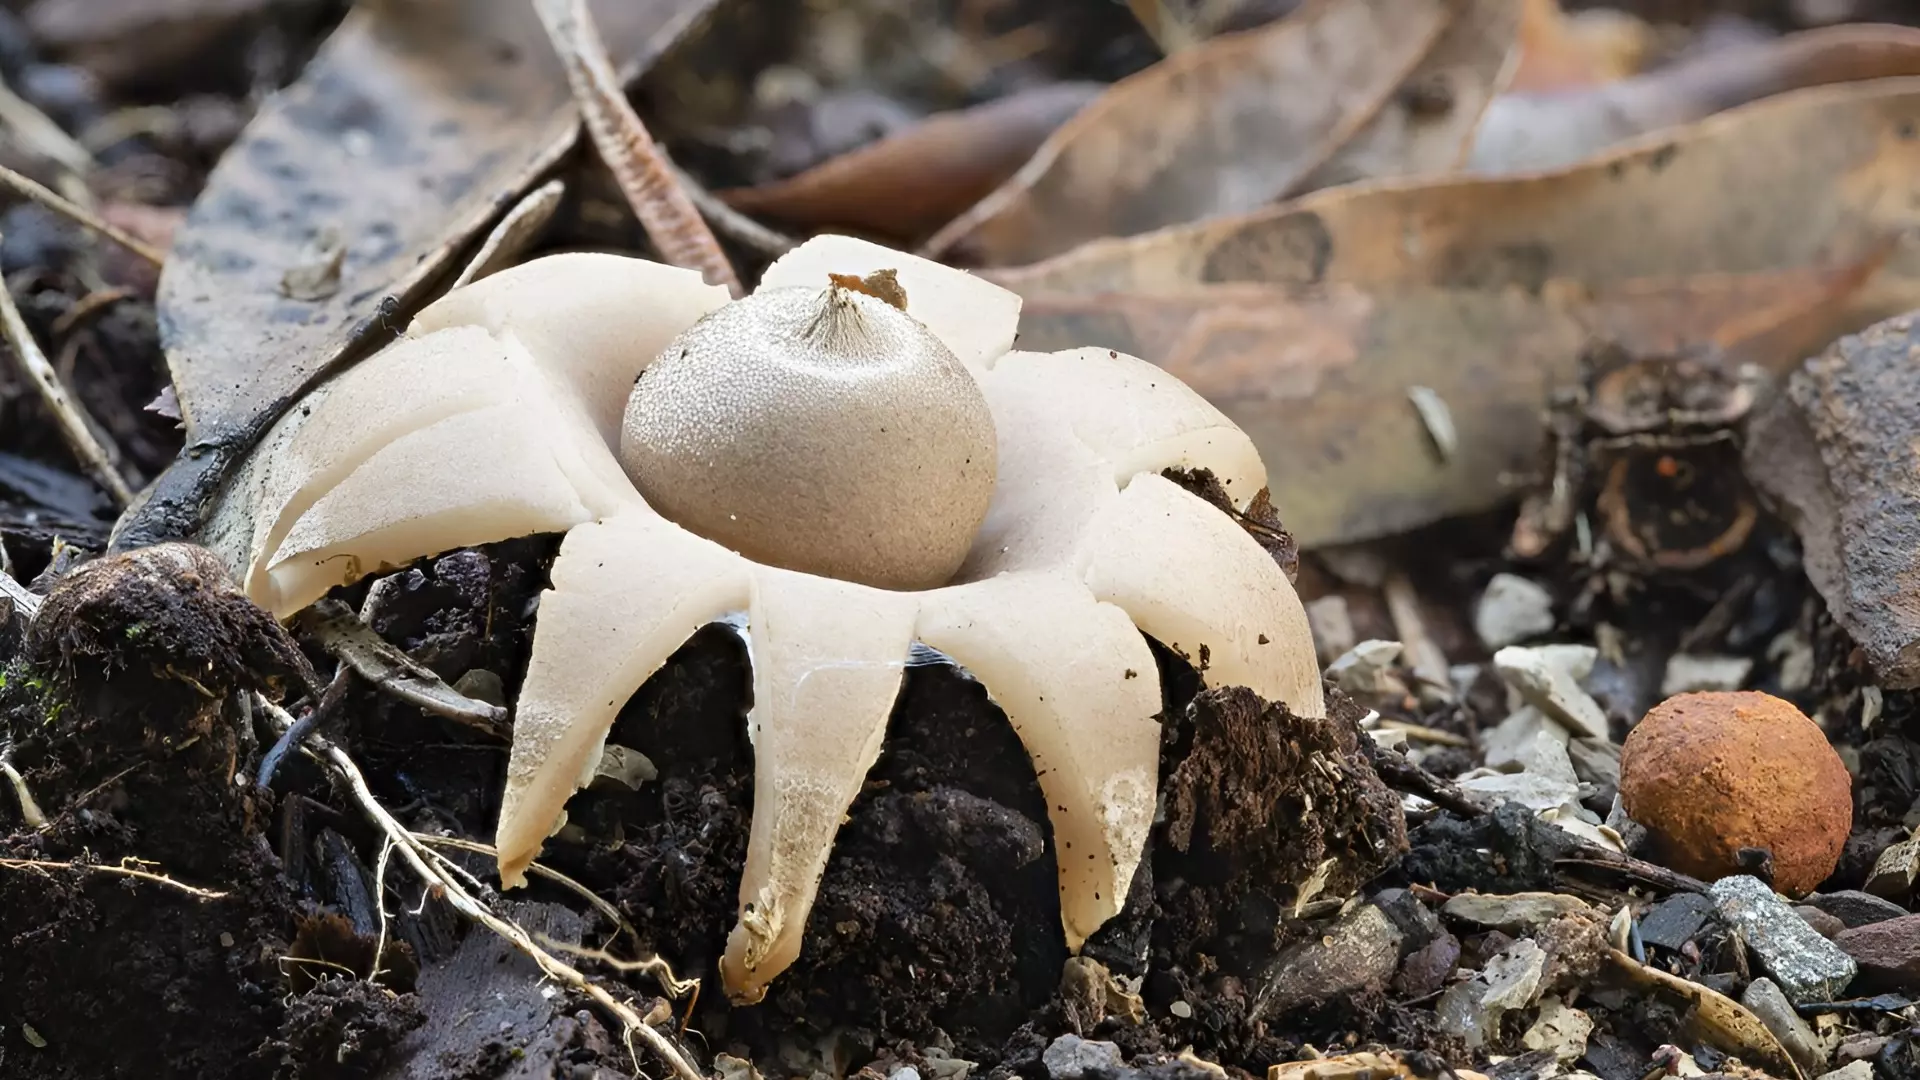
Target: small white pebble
x=1181, y=1009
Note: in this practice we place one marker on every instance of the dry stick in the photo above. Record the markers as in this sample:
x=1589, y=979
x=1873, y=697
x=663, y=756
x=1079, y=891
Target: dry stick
x=732, y=222
x=672, y=222
x=422, y=863
x=80, y=435
x=79, y=215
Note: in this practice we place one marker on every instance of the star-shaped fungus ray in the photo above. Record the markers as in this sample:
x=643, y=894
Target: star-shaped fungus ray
x=1082, y=545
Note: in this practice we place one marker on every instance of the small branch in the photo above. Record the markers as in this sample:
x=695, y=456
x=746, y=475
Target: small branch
x=79, y=215
x=639, y=166
x=422, y=862
x=732, y=222
x=79, y=432
x=118, y=871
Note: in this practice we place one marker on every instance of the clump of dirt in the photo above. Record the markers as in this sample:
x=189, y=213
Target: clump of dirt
x=343, y=1029
x=139, y=768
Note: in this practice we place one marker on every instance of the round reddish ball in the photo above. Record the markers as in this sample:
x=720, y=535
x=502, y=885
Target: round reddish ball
x=1711, y=773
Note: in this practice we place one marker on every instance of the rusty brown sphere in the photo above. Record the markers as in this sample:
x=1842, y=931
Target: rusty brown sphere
x=1711, y=773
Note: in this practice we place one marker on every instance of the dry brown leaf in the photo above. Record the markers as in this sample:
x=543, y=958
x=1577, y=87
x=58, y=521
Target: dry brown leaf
x=1752, y=232
x=362, y=182
x=905, y=186
x=1428, y=126
x=1219, y=128
x=1531, y=131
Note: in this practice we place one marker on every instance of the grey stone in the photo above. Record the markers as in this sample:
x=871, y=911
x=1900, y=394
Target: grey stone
x=1559, y=1028
x=1856, y=908
x=1514, y=912
x=1511, y=980
x=1888, y=952
x=1823, y=924
x=1673, y=922
x=1332, y=626
x=1764, y=999
x=1509, y=744
x=1687, y=673
x=904, y=1072
x=1417, y=922
x=1426, y=970
x=1862, y=1047
x=1854, y=1070
x=1071, y=1057
x=1366, y=669
x=1807, y=966
x=1595, y=761
x=1833, y=452
x=1360, y=952
x=1512, y=610
x=1548, y=677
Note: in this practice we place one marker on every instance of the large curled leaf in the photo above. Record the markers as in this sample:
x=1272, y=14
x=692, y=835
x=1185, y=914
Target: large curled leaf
x=1533, y=131
x=1307, y=323
x=350, y=195
x=1219, y=128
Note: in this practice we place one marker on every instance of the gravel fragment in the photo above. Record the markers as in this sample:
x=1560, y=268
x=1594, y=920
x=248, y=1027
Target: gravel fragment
x=1855, y=908
x=1856, y=1070
x=1510, y=744
x=1806, y=966
x=1511, y=980
x=1514, y=912
x=1360, y=953
x=1561, y=1029
x=1888, y=953
x=1549, y=677
x=1071, y=1057
x=1332, y=626
x=1767, y=1002
x=1687, y=673
x=1512, y=610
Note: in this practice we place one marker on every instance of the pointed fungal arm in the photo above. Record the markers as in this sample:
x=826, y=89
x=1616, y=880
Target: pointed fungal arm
x=1194, y=580
x=828, y=658
x=1079, y=686
x=626, y=593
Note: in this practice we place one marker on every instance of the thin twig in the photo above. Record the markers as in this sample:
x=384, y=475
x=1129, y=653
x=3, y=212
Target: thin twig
x=640, y=167
x=732, y=222
x=119, y=871
x=603, y=906
x=79, y=215
x=87, y=445
x=422, y=862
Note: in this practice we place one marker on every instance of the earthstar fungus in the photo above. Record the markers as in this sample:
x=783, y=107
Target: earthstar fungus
x=861, y=404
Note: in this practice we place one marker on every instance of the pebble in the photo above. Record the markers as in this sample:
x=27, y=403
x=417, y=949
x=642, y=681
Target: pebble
x=1511, y=980
x=1418, y=924
x=1548, y=677
x=1513, y=912
x=1512, y=610
x=1426, y=969
x=1860, y=1048
x=1071, y=1057
x=1595, y=761
x=1366, y=670
x=1360, y=953
x=1561, y=1029
x=1181, y=1010
x=1856, y=1070
x=1332, y=626
x=1764, y=999
x=904, y=1072
x=1823, y=924
x=1510, y=744
x=1855, y=908
x=1888, y=952
x=1688, y=673
x=1806, y=966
